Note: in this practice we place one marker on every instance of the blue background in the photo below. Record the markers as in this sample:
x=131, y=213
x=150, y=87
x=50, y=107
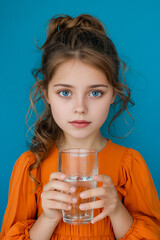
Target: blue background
x=134, y=28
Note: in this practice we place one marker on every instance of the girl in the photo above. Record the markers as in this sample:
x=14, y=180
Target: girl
x=79, y=82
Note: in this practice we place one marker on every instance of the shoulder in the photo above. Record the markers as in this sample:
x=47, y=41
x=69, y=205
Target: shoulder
x=126, y=157
x=120, y=162
x=25, y=160
x=132, y=157
x=116, y=147
x=124, y=152
x=133, y=163
x=132, y=166
x=21, y=166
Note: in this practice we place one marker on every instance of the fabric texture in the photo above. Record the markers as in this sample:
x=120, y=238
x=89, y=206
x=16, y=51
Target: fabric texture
x=130, y=176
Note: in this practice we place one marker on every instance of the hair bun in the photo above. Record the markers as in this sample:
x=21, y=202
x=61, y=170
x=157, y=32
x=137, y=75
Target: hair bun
x=83, y=21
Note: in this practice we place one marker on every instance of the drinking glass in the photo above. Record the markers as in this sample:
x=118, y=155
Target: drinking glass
x=79, y=165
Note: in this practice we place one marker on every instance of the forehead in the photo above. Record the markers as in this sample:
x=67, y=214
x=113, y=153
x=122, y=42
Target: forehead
x=75, y=71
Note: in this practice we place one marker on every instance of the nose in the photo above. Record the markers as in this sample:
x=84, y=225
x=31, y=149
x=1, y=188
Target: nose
x=80, y=106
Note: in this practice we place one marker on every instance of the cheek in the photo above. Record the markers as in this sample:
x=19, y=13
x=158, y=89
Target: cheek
x=102, y=108
x=101, y=111
x=58, y=110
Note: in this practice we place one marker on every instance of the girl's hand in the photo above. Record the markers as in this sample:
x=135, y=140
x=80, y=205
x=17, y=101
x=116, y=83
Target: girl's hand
x=53, y=200
x=108, y=195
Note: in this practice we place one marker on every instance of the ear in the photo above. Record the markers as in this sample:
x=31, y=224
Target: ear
x=114, y=96
x=46, y=95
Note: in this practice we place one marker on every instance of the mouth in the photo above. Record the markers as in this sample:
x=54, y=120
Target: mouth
x=79, y=123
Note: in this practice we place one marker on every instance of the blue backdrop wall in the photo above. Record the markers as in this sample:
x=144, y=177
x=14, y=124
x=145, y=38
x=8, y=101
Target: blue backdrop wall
x=134, y=28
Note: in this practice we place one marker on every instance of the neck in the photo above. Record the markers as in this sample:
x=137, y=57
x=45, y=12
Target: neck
x=98, y=143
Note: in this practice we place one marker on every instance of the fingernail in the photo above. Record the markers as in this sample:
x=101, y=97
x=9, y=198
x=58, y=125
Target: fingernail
x=72, y=189
x=82, y=206
x=92, y=221
x=74, y=199
x=82, y=195
x=62, y=176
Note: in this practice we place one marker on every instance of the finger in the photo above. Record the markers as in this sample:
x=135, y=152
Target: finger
x=92, y=205
x=101, y=191
x=99, y=217
x=57, y=175
x=54, y=195
x=97, y=192
x=50, y=204
x=107, y=181
x=59, y=185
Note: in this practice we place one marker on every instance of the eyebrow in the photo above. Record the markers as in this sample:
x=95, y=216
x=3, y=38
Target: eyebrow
x=90, y=86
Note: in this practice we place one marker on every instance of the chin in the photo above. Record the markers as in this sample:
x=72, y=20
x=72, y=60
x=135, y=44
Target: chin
x=80, y=135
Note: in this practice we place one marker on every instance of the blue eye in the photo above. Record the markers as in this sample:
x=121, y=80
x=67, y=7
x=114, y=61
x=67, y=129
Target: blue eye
x=96, y=93
x=64, y=93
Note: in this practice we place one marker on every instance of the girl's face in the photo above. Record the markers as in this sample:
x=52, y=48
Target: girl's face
x=78, y=91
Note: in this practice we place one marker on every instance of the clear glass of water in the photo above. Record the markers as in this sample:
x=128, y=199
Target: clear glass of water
x=79, y=165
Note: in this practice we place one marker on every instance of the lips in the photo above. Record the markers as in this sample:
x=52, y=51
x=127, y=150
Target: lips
x=80, y=123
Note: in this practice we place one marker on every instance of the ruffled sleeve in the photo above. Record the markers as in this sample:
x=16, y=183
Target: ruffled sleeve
x=21, y=210
x=140, y=198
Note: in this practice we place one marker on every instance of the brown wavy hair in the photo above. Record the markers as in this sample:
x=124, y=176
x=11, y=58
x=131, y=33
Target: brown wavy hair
x=84, y=38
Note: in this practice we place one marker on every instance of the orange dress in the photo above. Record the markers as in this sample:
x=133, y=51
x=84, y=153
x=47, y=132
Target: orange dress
x=130, y=176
